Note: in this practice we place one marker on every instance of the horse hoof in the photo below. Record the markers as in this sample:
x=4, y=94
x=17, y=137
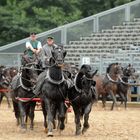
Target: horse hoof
x=84, y=130
x=46, y=130
x=23, y=130
x=59, y=131
x=17, y=123
x=31, y=128
x=118, y=108
x=50, y=134
x=62, y=126
x=78, y=132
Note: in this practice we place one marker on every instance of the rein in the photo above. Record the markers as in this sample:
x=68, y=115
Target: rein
x=77, y=89
x=121, y=80
x=51, y=65
x=25, y=101
x=21, y=84
x=28, y=89
x=32, y=68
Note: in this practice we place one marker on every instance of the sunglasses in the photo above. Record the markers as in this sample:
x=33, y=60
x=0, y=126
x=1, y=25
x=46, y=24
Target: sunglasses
x=33, y=33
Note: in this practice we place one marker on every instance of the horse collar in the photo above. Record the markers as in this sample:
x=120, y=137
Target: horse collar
x=21, y=84
x=110, y=79
x=52, y=80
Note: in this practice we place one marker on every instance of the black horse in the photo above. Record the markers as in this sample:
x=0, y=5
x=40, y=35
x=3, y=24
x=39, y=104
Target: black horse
x=123, y=85
x=5, y=80
x=23, y=84
x=82, y=95
x=53, y=91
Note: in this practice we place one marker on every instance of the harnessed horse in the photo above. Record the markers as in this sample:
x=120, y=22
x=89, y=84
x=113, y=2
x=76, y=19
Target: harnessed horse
x=123, y=85
x=5, y=79
x=82, y=96
x=108, y=85
x=23, y=85
x=54, y=91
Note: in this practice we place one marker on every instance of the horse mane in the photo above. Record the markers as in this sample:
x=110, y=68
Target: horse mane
x=84, y=68
x=78, y=80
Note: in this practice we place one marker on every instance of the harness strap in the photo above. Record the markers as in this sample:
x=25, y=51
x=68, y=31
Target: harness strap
x=54, y=81
x=21, y=84
x=110, y=79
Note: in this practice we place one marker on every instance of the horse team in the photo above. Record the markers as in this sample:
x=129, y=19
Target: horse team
x=82, y=89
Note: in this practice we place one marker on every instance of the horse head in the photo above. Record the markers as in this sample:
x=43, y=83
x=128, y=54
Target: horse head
x=29, y=73
x=13, y=71
x=58, y=55
x=128, y=71
x=84, y=78
x=5, y=77
x=87, y=71
x=114, y=69
x=2, y=68
x=25, y=59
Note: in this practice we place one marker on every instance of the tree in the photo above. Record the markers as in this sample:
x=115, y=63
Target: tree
x=20, y=17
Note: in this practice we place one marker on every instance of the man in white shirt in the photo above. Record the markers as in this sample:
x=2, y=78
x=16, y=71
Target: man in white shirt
x=33, y=46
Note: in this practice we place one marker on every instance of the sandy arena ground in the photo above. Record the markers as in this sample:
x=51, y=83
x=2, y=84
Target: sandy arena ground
x=104, y=125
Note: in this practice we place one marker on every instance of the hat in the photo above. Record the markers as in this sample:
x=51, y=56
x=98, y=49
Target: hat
x=50, y=37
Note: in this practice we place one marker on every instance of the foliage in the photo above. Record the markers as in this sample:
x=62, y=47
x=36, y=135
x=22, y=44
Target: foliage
x=20, y=17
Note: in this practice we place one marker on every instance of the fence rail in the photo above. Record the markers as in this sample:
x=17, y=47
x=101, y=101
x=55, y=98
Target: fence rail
x=84, y=27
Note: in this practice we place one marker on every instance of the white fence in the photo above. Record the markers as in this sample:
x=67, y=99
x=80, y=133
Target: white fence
x=75, y=30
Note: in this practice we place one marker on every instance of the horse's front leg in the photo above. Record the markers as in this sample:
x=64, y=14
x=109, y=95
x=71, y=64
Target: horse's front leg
x=114, y=100
x=44, y=110
x=61, y=116
x=8, y=99
x=22, y=115
x=16, y=111
x=31, y=114
x=104, y=100
x=86, y=118
x=48, y=108
x=124, y=98
x=77, y=120
x=1, y=97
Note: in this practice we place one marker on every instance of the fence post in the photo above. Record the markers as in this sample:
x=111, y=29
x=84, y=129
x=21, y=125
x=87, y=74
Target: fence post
x=127, y=13
x=19, y=61
x=64, y=35
x=129, y=94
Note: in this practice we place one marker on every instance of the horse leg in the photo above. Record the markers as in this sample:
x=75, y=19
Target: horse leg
x=27, y=115
x=17, y=113
x=55, y=116
x=1, y=97
x=125, y=101
x=44, y=110
x=124, y=98
x=114, y=100
x=104, y=100
x=31, y=114
x=86, y=118
x=61, y=116
x=22, y=115
x=8, y=99
x=48, y=106
x=77, y=120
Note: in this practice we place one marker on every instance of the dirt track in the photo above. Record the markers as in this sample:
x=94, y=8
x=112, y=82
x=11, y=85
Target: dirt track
x=104, y=125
